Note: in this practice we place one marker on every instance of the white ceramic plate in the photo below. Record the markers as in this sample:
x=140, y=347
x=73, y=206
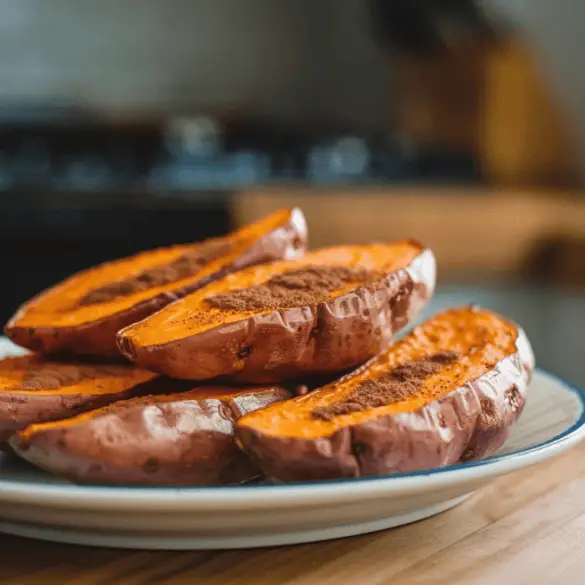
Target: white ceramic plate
x=34, y=504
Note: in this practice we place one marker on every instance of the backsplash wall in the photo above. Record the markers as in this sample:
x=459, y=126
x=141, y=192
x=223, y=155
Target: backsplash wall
x=291, y=58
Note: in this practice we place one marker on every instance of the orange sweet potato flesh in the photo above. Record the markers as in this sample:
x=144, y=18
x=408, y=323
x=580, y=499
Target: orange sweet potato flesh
x=447, y=392
x=180, y=439
x=327, y=312
x=34, y=389
x=82, y=315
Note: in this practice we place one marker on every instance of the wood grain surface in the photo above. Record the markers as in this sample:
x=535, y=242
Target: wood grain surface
x=527, y=528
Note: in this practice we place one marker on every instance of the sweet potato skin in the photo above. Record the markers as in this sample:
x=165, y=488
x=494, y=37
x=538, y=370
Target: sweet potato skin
x=298, y=342
x=185, y=441
x=20, y=409
x=98, y=338
x=468, y=423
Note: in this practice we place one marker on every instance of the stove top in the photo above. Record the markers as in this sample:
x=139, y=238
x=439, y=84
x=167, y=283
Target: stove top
x=199, y=154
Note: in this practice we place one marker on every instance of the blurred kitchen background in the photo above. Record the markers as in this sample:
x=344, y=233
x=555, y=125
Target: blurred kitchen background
x=132, y=124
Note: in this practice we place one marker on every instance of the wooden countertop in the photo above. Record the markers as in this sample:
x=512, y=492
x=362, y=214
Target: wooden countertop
x=527, y=528
x=470, y=229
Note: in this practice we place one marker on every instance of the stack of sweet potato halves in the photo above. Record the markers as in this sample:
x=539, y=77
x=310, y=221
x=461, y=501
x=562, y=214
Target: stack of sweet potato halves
x=180, y=366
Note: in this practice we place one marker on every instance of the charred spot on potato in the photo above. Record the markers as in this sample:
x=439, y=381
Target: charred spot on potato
x=151, y=465
x=110, y=438
x=23, y=446
x=513, y=397
x=358, y=448
x=298, y=242
x=16, y=399
x=488, y=408
x=245, y=352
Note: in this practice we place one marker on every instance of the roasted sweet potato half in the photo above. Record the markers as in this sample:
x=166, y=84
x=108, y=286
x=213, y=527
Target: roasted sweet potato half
x=326, y=312
x=179, y=439
x=82, y=315
x=34, y=389
x=447, y=392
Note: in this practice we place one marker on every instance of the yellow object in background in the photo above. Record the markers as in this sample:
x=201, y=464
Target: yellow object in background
x=493, y=100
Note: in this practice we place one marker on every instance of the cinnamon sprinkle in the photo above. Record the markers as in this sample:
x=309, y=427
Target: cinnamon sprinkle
x=309, y=285
x=402, y=383
x=52, y=376
x=185, y=266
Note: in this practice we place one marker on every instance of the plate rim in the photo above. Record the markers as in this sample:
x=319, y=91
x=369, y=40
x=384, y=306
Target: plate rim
x=128, y=497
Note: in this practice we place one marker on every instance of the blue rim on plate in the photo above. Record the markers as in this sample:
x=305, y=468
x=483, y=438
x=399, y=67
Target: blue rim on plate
x=135, y=490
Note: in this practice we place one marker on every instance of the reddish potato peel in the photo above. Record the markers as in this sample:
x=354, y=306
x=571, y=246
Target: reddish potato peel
x=299, y=325
x=178, y=439
x=448, y=392
x=82, y=315
x=34, y=389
